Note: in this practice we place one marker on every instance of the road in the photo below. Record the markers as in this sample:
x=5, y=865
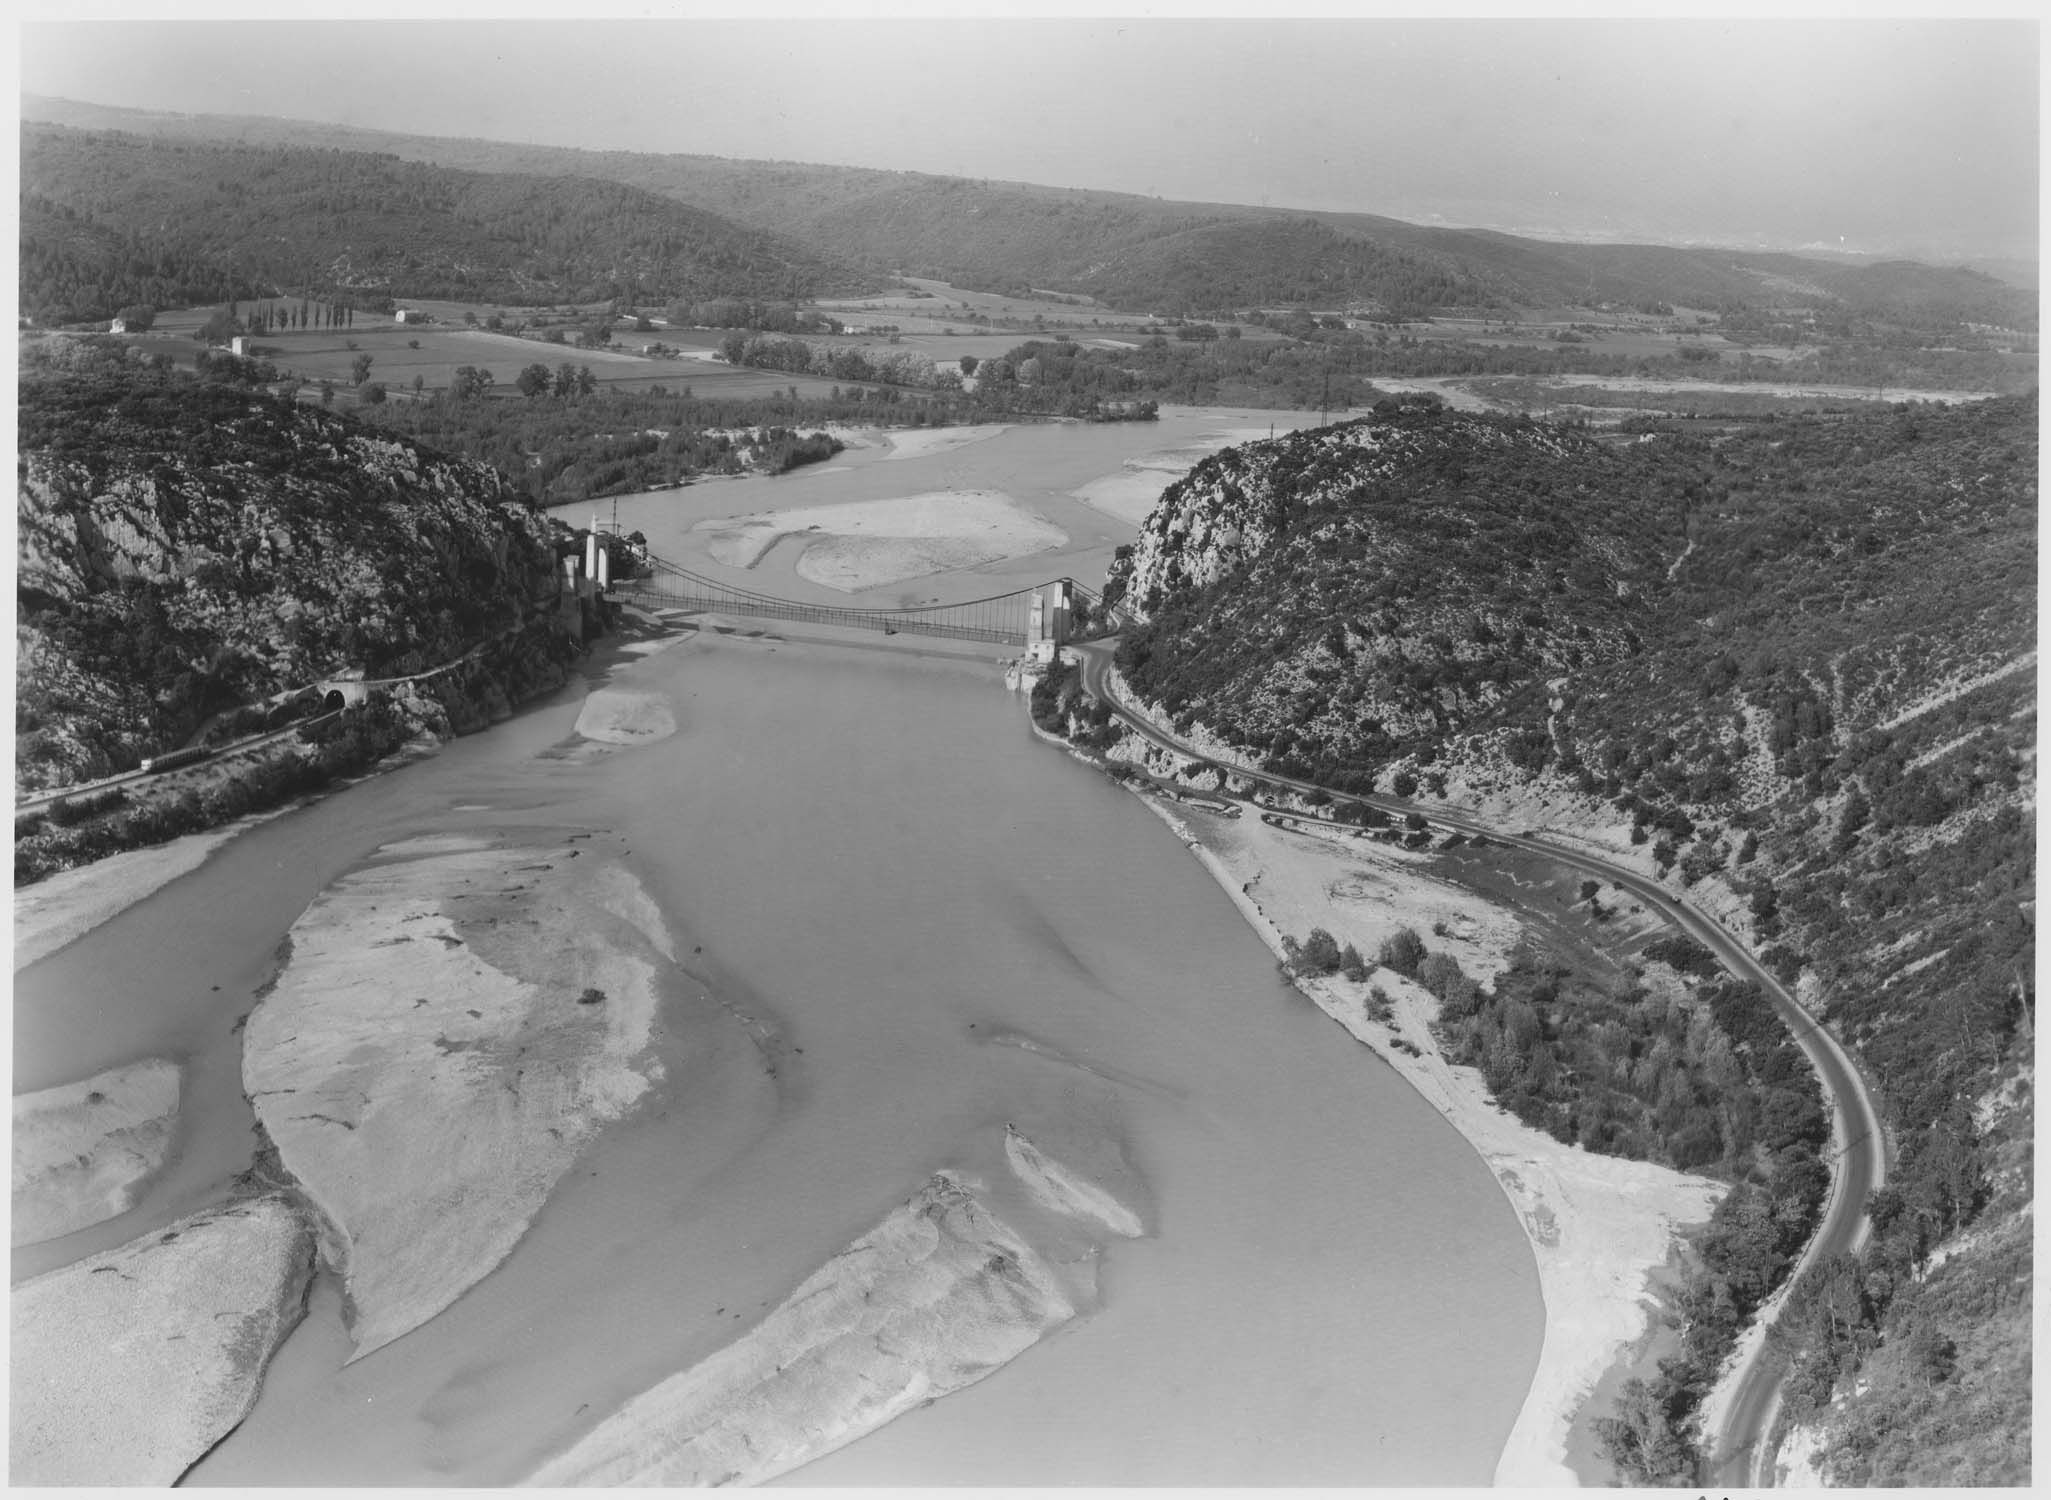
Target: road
x=1737, y=1455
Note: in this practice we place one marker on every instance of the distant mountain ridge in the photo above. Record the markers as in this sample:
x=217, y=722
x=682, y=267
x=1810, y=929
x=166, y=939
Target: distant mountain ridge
x=1144, y=254
x=112, y=218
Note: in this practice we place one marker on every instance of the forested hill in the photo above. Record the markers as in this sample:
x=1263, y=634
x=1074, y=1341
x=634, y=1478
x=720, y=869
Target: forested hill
x=1143, y=254
x=1797, y=667
x=110, y=219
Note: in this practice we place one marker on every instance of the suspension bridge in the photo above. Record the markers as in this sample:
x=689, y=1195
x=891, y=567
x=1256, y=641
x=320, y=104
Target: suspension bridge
x=1059, y=610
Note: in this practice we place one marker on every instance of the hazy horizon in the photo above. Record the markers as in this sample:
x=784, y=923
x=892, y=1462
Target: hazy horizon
x=1877, y=137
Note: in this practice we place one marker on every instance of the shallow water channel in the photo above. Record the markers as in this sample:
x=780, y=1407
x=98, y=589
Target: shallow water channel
x=932, y=924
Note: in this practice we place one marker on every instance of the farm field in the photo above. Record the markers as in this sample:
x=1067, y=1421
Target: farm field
x=433, y=352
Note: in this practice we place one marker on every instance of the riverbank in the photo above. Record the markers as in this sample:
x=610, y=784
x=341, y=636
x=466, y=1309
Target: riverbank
x=63, y=907
x=1601, y=1228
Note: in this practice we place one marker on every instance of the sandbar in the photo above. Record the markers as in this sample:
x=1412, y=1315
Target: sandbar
x=626, y=716
x=451, y=1028
x=126, y=1367
x=937, y=1296
x=1060, y=1187
x=83, y=1150
x=1132, y=493
x=62, y=908
x=865, y=544
x=924, y=442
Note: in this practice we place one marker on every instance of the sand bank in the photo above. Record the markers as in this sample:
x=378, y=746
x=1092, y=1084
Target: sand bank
x=128, y=1366
x=924, y=442
x=1599, y=1226
x=937, y=1296
x=1066, y=1191
x=624, y=716
x=451, y=1028
x=64, y=907
x=867, y=544
x=1132, y=493
x=83, y=1150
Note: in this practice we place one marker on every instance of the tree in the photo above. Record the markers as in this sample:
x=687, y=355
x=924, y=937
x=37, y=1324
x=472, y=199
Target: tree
x=1320, y=952
x=470, y=381
x=1403, y=952
x=219, y=328
x=1641, y=1441
x=533, y=381
x=1932, y=1355
x=371, y=393
x=137, y=316
x=968, y=364
x=359, y=369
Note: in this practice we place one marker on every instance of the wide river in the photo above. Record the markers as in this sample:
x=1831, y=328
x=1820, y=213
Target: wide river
x=948, y=925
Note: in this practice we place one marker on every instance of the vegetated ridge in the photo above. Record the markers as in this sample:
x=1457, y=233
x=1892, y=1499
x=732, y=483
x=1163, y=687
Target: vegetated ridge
x=111, y=220
x=1138, y=254
x=1798, y=662
x=190, y=550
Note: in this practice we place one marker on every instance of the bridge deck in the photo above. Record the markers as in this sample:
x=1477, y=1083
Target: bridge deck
x=1001, y=619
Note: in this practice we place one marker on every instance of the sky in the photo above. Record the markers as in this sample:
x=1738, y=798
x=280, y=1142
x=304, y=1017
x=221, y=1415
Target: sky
x=1895, y=135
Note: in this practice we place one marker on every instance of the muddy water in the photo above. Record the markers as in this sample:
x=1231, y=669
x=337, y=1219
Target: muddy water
x=1042, y=466
x=881, y=867
x=903, y=923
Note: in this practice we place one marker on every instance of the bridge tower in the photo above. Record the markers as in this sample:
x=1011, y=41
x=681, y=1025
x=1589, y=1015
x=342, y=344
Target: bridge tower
x=1047, y=621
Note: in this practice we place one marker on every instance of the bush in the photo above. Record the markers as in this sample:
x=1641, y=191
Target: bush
x=1683, y=954
x=1403, y=952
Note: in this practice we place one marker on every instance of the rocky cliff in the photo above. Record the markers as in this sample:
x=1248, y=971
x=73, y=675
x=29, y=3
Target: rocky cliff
x=186, y=547
x=1337, y=597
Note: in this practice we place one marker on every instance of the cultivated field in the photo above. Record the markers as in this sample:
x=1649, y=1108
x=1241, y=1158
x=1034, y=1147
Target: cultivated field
x=433, y=352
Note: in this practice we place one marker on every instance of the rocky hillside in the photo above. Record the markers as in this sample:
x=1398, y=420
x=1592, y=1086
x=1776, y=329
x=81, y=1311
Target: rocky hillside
x=1343, y=596
x=1792, y=670
x=186, y=547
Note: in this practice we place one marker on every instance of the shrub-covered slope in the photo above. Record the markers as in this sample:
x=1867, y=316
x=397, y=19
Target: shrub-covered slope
x=1342, y=596
x=1797, y=667
x=1140, y=254
x=110, y=220
x=185, y=547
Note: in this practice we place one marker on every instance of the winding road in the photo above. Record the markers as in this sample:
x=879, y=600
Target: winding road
x=1748, y=1398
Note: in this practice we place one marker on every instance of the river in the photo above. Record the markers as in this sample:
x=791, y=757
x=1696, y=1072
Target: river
x=948, y=925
